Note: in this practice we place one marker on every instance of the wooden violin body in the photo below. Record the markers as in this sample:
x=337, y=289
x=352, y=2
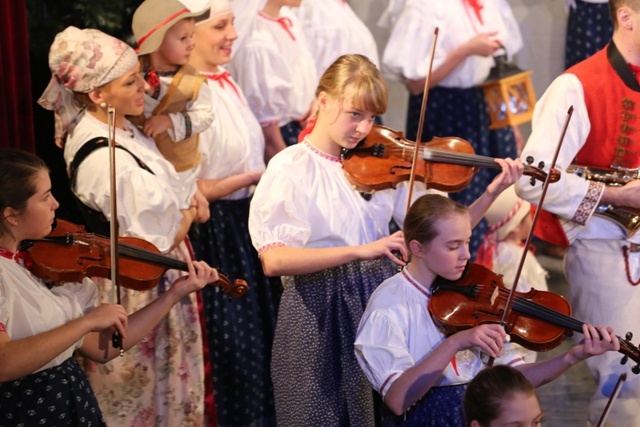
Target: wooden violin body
x=384, y=158
x=69, y=253
x=537, y=320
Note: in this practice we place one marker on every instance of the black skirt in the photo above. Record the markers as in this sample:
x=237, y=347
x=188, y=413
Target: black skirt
x=58, y=396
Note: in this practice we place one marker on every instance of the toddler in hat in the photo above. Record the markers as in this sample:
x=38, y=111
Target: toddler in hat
x=509, y=220
x=177, y=104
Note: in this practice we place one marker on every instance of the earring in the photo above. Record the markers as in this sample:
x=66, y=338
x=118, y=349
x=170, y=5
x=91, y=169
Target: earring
x=103, y=105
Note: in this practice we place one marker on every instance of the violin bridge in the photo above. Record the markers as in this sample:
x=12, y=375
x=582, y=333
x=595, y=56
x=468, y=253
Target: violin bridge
x=494, y=295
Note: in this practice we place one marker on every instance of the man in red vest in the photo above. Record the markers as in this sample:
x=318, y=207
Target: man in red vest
x=602, y=263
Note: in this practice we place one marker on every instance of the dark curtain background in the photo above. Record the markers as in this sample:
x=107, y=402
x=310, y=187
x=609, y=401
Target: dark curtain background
x=16, y=112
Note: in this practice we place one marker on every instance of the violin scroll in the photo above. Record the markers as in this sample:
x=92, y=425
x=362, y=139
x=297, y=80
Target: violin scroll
x=537, y=172
x=238, y=288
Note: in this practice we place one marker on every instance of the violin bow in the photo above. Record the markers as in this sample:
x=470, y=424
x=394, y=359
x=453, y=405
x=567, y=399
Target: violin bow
x=116, y=338
x=423, y=111
x=616, y=390
x=545, y=186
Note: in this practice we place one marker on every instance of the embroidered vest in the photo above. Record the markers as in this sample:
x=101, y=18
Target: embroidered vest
x=612, y=98
x=184, y=87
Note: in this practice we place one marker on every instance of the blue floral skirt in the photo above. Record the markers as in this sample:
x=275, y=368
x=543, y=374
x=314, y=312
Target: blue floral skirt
x=440, y=407
x=58, y=396
x=239, y=330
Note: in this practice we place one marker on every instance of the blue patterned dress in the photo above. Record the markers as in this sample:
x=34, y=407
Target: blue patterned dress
x=589, y=29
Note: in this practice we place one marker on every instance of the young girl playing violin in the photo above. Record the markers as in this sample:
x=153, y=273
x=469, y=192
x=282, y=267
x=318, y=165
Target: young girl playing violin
x=40, y=327
x=420, y=373
x=333, y=248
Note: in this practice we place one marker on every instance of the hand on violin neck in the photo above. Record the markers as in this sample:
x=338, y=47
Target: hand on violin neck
x=199, y=275
x=596, y=341
x=511, y=172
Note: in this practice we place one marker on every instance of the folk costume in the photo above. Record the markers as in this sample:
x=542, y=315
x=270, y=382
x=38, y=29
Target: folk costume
x=602, y=274
x=333, y=29
x=160, y=380
x=58, y=393
x=240, y=330
x=456, y=107
x=304, y=200
x=284, y=88
x=396, y=332
x=183, y=95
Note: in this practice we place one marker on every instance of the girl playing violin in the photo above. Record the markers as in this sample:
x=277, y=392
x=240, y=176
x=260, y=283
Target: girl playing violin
x=41, y=327
x=333, y=248
x=420, y=373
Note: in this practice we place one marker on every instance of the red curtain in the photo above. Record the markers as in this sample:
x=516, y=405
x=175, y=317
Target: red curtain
x=16, y=111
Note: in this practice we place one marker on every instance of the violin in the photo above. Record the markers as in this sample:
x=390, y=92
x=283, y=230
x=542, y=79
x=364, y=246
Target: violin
x=384, y=158
x=69, y=254
x=538, y=320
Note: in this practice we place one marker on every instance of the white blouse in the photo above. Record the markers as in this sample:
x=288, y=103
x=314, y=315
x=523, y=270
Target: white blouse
x=148, y=204
x=276, y=70
x=409, y=47
x=396, y=332
x=333, y=29
x=28, y=307
x=234, y=143
x=305, y=201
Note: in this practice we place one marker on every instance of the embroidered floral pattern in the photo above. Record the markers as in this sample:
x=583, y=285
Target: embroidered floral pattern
x=270, y=246
x=187, y=124
x=589, y=203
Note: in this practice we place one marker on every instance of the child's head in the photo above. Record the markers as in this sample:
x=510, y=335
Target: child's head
x=355, y=80
x=501, y=395
x=351, y=93
x=509, y=216
x=165, y=28
x=437, y=232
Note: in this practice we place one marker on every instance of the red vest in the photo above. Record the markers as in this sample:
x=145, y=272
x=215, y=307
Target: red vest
x=614, y=138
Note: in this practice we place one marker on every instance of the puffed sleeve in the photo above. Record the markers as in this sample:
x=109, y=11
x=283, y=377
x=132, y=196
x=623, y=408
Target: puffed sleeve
x=265, y=79
x=381, y=350
x=409, y=44
x=196, y=119
x=278, y=214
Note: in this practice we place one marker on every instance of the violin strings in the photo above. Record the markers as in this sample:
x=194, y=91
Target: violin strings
x=544, y=313
x=549, y=315
x=131, y=251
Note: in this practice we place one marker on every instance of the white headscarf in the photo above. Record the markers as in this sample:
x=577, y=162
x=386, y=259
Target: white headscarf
x=81, y=61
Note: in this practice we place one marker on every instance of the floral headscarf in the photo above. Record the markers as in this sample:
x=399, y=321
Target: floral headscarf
x=81, y=61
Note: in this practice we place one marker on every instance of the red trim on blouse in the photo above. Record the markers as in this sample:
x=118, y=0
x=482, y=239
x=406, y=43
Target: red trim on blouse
x=270, y=246
x=384, y=384
x=319, y=152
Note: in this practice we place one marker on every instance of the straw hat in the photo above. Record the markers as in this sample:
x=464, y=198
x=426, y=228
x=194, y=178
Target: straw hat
x=217, y=9
x=506, y=213
x=153, y=18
